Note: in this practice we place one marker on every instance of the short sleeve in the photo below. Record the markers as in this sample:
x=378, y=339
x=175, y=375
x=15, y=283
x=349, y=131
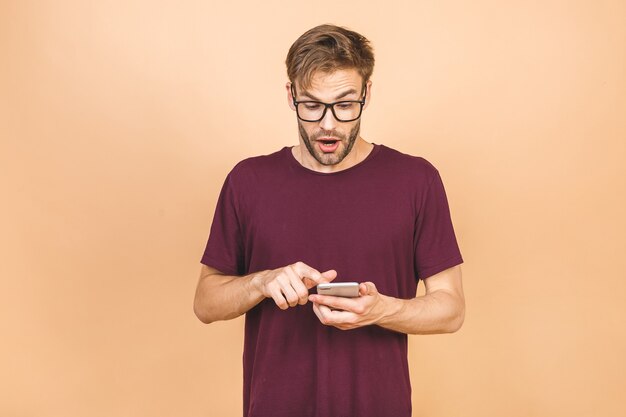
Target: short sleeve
x=224, y=249
x=436, y=248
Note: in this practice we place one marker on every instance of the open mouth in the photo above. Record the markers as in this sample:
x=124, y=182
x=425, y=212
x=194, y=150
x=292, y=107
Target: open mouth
x=328, y=145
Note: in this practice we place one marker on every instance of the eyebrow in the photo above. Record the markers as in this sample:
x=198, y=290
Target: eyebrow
x=340, y=96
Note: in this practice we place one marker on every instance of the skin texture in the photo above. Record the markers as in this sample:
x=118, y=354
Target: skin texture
x=329, y=88
x=221, y=297
x=440, y=310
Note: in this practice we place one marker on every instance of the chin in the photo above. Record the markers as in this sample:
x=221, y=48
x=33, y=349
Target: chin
x=330, y=158
x=327, y=162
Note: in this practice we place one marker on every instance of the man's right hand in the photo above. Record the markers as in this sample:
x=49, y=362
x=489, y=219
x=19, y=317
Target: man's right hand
x=289, y=286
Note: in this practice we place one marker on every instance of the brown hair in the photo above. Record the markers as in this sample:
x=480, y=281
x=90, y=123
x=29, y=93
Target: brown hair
x=328, y=48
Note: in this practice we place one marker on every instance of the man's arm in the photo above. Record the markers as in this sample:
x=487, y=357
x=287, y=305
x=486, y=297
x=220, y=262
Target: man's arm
x=440, y=310
x=224, y=297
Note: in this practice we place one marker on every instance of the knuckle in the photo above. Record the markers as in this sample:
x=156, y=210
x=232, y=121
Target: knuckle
x=271, y=286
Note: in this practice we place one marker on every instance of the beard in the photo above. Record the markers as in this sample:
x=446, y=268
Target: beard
x=347, y=142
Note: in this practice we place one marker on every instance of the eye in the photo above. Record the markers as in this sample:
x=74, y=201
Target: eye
x=344, y=105
x=312, y=106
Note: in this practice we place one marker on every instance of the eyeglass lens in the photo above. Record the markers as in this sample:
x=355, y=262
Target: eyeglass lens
x=344, y=111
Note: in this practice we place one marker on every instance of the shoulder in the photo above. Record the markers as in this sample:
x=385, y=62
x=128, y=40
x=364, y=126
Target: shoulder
x=248, y=173
x=259, y=164
x=408, y=165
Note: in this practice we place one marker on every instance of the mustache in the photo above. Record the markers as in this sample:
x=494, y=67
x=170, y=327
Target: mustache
x=328, y=134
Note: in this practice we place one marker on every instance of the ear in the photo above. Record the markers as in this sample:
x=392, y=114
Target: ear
x=290, y=96
x=368, y=97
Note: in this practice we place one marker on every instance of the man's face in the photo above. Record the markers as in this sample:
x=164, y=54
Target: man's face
x=329, y=141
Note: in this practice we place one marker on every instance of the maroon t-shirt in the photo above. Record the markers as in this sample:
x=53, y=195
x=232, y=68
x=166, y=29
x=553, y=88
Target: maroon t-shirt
x=384, y=220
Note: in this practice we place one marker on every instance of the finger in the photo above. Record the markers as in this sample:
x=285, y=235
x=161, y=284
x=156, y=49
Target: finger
x=329, y=275
x=325, y=277
x=338, y=303
x=334, y=317
x=303, y=270
x=323, y=313
x=278, y=297
x=339, y=319
x=298, y=286
x=318, y=313
x=289, y=293
x=367, y=288
x=310, y=276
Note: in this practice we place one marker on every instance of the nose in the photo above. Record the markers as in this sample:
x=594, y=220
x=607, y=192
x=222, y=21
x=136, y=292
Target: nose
x=328, y=122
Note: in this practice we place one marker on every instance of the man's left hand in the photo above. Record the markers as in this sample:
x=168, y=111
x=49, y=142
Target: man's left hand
x=350, y=313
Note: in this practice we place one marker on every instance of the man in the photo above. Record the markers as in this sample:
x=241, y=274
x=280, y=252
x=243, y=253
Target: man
x=333, y=208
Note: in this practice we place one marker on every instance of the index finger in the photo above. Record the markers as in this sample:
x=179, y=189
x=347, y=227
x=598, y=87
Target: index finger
x=338, y=303
x=305, y=271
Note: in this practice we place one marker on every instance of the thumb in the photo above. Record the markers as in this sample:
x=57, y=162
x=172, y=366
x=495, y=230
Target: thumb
x=329, y=275
x=367, y=288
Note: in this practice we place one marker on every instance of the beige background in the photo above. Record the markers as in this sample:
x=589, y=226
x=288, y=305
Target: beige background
x=119, y=121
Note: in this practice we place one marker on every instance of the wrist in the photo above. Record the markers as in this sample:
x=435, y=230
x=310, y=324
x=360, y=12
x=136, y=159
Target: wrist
x=255, y=284
x=389, y=308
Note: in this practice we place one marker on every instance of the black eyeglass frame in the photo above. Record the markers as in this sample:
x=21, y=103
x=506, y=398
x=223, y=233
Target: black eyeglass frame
x=329, y=105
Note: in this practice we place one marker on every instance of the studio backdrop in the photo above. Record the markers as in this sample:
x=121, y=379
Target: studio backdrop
x=120, y=120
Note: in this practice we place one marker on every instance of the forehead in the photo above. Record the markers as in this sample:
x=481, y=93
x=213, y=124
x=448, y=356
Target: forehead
x=330, y=83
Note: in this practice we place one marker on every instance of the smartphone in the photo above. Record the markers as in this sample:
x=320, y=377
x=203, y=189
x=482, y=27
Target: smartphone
x=339, y=289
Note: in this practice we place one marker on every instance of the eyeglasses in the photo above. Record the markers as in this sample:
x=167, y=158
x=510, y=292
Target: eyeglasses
x=314, y=111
